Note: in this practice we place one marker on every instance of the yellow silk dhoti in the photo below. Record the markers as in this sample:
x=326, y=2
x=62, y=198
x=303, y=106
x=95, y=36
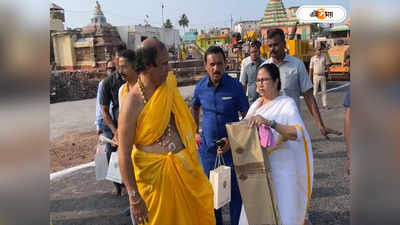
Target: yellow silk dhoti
x=173, y=186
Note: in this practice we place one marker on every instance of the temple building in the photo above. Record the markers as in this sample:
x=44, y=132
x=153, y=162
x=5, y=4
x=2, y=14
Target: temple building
x=86, y=48
x=276, y=16
x=133, y=35
x=57, y=20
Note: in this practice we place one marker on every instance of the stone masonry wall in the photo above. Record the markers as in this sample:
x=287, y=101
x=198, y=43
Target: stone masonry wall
x=74, y=85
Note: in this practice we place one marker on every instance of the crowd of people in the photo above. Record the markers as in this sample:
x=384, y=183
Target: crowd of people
x=141, y=109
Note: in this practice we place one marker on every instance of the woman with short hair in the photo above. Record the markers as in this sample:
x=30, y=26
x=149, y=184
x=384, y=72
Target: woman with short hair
x=291, y=155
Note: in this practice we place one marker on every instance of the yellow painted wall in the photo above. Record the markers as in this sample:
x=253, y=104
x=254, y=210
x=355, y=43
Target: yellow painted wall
x=63, y=50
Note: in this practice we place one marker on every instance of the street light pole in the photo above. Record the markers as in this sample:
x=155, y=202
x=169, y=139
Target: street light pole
x=162, y=14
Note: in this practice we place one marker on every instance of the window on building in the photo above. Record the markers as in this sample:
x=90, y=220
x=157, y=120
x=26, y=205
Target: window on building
x=82, y=54
x=100, y=53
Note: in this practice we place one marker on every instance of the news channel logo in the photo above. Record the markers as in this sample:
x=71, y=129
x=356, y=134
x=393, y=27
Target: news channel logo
x=321, y=14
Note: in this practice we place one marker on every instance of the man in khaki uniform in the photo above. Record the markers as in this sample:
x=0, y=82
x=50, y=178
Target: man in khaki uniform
x=318, y=70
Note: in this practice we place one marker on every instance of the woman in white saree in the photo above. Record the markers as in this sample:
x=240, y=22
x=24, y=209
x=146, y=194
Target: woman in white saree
x=291, y=156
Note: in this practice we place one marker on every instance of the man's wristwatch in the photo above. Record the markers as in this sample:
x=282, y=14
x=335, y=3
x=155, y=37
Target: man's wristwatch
x=133, y=194
x=273, y=124
x=135, y=197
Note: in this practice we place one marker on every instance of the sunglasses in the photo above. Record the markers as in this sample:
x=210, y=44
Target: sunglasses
x=260, y=80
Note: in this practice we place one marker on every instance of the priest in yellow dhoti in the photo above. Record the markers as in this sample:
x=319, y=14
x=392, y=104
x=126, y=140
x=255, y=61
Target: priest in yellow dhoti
x=157, y=152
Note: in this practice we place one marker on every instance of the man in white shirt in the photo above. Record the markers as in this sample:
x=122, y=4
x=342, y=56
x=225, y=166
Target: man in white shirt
x=294, y=77
x=248, y=75
x=319, y=66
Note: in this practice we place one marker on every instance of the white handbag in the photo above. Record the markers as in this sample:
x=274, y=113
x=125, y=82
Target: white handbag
x=100, y=161
x=113, y=173
x=220, y=179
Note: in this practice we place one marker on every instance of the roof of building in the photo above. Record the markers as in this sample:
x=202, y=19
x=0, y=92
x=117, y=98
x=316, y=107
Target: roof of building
x=339, y=28
x=247, y=21
x=190, y=36
x=54, y=6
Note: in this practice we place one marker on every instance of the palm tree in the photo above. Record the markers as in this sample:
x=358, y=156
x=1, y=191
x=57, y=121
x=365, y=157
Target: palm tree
x=183, y=22
x=168, y=24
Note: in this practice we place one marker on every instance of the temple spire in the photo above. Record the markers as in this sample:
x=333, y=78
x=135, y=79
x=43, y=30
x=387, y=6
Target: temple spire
x=97, y=10
x=275, y=15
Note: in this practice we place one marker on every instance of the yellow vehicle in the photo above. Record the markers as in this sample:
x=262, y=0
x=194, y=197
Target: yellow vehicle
x=339, y=56
x=301, y=49
x=250, y=36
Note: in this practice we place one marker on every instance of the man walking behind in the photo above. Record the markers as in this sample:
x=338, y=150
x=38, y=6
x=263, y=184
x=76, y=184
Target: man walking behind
x=221, y=98
x=249, y=76
x=109, y=94
x=294, y=77
x=319, y=68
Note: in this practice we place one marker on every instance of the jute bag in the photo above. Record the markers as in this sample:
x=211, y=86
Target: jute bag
x=253, y=173
x=220, y=179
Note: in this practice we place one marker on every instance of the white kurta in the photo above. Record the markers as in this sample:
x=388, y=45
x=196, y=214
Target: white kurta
x=291, y=164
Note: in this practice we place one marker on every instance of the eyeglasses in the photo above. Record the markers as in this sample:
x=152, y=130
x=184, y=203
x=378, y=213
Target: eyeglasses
x=110, y=68
x=260, y=80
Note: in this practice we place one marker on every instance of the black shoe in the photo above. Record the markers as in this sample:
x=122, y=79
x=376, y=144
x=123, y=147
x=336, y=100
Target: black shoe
x=117, y=190
x=126, y=212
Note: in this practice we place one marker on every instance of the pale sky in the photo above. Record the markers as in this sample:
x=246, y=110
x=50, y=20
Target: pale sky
x=202, y=14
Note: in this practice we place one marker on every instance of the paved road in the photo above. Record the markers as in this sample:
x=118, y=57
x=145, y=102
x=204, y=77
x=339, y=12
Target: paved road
x=79, y=116
x=77, y=199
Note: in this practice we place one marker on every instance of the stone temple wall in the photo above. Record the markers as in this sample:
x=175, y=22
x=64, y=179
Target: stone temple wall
x=71, y=85
x=74, y=85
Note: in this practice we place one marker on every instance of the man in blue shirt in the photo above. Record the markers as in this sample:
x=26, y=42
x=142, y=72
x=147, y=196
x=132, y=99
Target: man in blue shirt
x=109, y=94
x=221, y=98
x=99, y=122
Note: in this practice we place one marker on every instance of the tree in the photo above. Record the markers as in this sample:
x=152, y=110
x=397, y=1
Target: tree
x=183, y=21
x=168, y=24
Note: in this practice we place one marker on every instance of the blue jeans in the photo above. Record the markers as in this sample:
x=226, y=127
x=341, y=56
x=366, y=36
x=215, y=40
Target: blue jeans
x=235, y=206
x=109, y=148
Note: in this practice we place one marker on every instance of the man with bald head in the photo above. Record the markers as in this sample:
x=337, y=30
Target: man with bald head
x=157, y=152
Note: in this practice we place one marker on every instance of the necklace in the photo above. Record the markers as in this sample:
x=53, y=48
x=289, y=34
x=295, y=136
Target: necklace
x=162, y=141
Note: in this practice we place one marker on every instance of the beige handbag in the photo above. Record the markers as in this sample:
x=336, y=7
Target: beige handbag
x=253, y=173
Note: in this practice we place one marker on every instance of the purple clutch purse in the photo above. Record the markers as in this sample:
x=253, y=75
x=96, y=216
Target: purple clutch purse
x=266, y=137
